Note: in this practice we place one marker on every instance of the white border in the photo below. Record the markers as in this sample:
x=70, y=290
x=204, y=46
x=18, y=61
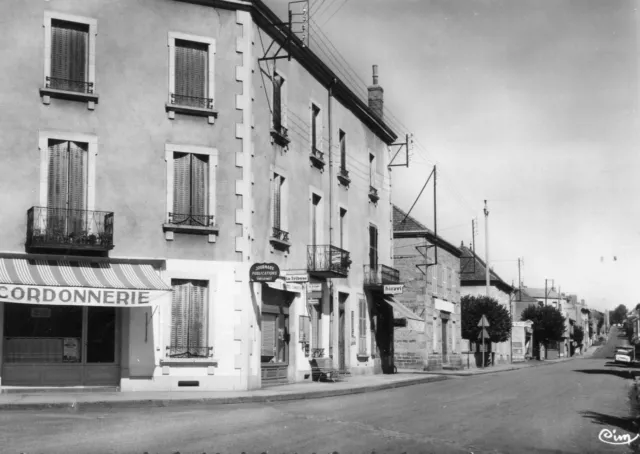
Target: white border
x=211, y=42
x=93, y=31
x=169, y=149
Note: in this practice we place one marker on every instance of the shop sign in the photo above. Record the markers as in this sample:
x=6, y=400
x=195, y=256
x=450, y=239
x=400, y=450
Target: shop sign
x=283, y=286
x=314, y=287
x=297, y=277
x=393, y=289
x=314, y=301
x=264, y=272
x=32, y=294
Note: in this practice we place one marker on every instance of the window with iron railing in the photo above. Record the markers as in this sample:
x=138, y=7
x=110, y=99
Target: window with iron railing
x=362, y=325
x=69, y=57
x=191, y=75
x=189, y=320
x=190, y=190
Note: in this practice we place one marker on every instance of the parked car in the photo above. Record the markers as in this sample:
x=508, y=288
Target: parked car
x=625, y=355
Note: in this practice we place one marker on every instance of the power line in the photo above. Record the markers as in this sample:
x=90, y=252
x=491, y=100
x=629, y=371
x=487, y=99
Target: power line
x=334, y=13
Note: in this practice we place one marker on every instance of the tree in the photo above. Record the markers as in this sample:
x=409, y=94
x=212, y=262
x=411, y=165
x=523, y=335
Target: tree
x=618, y=315
x=578, y=334
x=548, y=323
x=474, y=307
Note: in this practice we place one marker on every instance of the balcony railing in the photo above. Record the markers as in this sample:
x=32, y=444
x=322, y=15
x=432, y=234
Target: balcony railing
x=343, y=176
x=280, y=235
x=317, y=158
x=189, y=352
x=280, y=135
x=61, y=228
x=79, y=86
x=187, y=219
x=328, y=261
x=373, y=194
x=379, y=275
x=192, y=101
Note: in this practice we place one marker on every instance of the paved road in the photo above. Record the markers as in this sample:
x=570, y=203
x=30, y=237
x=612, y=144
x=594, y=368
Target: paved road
x=558, y=408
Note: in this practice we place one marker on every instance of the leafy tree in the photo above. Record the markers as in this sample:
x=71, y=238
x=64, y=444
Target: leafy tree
x=578, y=334
x=618, y=315
x=474, y=307
x=548, y=323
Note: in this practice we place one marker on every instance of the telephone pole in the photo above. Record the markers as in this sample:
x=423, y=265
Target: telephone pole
x=519, y=281
x=486, y=244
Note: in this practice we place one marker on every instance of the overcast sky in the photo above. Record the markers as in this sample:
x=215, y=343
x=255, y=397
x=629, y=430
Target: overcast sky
x=529, y=104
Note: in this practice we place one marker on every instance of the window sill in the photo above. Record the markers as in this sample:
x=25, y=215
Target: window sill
x=280, y=139
x=362, y=358
x=47, y=93
x=170, y=229
x=344, y=180
x=185, y=362
x=317, y=160
x=279, y=244
x=373, y=197
x=172, y=109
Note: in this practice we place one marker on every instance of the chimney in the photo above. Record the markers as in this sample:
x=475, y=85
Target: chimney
x=376, y=95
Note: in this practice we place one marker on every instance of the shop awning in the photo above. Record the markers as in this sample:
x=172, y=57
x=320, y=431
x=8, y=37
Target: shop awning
x=401, y=309
x=283, y=286
x=81, y=282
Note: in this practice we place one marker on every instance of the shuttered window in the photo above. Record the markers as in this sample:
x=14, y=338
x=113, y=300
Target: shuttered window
x=67, y=186
x=343, y=150
x=189, y=319
x=278, y=102
x=191, y=189
x=191, y=74
x=362, y=325
x=373, y=247
x=69, y=56
x=269, y=326
x=276, y=203
x=374, y=345
x=316, y=128
x=316, y=338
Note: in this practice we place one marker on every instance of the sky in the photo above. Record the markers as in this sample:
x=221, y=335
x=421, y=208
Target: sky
x=531, y=105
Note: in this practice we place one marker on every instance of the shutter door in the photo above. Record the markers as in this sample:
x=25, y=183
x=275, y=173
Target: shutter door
x=179, y=317
x=69, y=45
x=268, y=335
x=58, y=186
x=200, y=188
x=277, y=188
x=198, y=318
x=191, y=73
x=181, y=187
x=77, y=187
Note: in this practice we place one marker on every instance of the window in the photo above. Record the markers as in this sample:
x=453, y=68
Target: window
x=316, y=326
x=315, y=219
x=372, y=170
x=362, y=325
x=279, y=104
x=353, y=325
x=343, y=150
x=277, y=185
x=189, y=319
x=316, y=128
x=191, y=75
x=343, y=228
x=69, y=58
x=190, y=189
x=373, y=247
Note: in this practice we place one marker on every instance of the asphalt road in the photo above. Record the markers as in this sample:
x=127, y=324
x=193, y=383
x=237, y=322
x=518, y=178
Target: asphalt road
x=558, y=408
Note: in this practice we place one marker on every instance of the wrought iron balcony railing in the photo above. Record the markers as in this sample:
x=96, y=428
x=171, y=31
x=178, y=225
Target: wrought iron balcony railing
x=188, y=219
x=192, y=101
x=343, y=176
x=373, y=194
x=62, y=228
x=280, y=135
x=381, y=275
x=183, y=351
x=317, y=158
x=280, y=235
x=79, y=86
x=328, y=260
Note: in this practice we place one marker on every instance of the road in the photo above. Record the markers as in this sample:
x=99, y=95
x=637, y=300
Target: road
x=558, y=408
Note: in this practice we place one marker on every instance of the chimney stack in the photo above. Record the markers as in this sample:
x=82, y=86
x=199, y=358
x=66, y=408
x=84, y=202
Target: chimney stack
x=376, y=95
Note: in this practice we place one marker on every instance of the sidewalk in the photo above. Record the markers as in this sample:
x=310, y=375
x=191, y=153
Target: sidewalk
x=297, y=391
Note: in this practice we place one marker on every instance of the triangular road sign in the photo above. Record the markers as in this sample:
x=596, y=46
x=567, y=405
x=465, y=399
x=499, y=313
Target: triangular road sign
x=486, y=334
x=483, y=322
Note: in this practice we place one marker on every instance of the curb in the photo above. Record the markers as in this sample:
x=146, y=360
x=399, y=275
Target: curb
x=481, y=372
x=72, y=404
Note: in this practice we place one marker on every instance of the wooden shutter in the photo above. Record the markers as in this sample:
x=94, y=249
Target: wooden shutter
x=69, y=48
x=198, y=316
x=277, y=101
x=373, y=247
x=67, y=186
x=77, y=202
x=191, y=73
x=199, y=188
x=181, y=187
x=268, y=334
x=362, y=325
x=179, y=317
x=276, y=205
x=343, y=150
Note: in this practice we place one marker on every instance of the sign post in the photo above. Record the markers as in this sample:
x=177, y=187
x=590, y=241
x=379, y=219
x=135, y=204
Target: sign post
x=483, y=323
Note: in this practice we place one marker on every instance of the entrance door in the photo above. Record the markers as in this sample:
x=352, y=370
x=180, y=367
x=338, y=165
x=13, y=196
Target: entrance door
x=445, y=342
x=341, y=343
x=60, y=346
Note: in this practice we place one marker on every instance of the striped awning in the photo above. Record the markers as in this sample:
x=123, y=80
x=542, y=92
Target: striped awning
x=81, y=282
x=401, y=309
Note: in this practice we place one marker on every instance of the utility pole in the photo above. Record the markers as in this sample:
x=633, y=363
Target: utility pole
x=486, y=243
x=519, y=281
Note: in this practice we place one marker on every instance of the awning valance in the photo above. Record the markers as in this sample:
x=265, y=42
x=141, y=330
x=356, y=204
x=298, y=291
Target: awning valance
x=401, y=309
x=81, y=282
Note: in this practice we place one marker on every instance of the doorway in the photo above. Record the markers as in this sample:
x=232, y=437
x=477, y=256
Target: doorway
x=445, y=341
x=60, y=345
x=341, y=342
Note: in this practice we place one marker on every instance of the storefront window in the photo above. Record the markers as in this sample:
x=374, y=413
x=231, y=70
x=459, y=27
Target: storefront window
x=42, y=334
x=101, y=335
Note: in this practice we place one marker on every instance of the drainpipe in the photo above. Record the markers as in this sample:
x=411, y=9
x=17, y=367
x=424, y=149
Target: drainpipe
x=334, y=305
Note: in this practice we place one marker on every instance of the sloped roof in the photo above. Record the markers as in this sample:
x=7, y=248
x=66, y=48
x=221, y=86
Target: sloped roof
x=474, y=275
x=539, y=293
x=406, y=226
x=522, y=296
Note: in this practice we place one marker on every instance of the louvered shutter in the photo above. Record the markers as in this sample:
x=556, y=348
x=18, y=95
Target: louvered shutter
x=268, y=335
x=77, y=202
x=69, y=46
x=276, y=204
x=314, y=128
x=277, y=102
x=181, y=187
x=200, y=188
x=198, y=318
x=58, y=186
x=373, y=247
x=179, y=317
x=191, y=73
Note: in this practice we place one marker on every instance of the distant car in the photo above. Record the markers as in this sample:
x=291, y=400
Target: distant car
x=625, y=355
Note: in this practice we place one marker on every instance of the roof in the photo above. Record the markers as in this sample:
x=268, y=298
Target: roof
x=539, y=293
x=476, y=275
x=405, y=226
x=522, y=296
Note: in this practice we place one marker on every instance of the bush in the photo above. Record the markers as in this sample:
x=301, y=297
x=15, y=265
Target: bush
x=548, y=323
x=474, y=307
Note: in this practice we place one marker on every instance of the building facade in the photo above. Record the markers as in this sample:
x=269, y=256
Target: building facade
x=428, y=268
x=148, y=168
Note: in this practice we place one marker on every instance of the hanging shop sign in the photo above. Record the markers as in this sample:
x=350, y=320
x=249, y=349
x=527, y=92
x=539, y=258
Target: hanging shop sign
x=70, y=296
x=393, y=289
x=302, y=277
x=264, y=272
x=314, y=287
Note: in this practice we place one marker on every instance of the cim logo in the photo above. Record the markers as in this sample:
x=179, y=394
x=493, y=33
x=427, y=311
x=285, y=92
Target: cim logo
x=610, y=437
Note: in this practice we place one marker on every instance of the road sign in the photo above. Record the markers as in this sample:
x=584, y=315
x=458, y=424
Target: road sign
x=483, y=322
x=482, y=335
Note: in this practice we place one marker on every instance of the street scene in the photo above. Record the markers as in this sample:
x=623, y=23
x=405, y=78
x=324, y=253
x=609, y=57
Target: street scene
x=319, y=226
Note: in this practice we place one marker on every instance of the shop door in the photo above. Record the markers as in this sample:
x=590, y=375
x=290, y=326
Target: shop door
x=341, y=343
x=445, y=342
x=60, y=346
x=275, y=344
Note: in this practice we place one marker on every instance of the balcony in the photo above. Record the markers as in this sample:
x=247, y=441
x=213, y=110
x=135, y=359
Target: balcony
x=191, y=105
x=380, y=275
x=328, y=261
x=317, y=158
x=61, y=228
x=280, y=239
x=343, y=177
x=373, y=194
x=73, y=90
x=280, y=136
x=199, y=224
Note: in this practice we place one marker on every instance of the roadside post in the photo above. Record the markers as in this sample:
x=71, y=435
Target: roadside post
x=483, y=323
